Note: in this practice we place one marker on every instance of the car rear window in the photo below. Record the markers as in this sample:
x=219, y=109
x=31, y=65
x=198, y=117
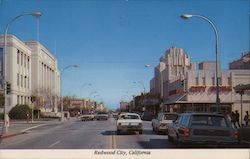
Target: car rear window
x=129, y=117
x=170, y=117
x=209, y=120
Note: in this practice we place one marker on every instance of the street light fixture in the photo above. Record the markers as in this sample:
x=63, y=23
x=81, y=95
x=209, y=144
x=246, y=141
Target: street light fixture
x=67, y=67
x=188, y=16
x=35, y=14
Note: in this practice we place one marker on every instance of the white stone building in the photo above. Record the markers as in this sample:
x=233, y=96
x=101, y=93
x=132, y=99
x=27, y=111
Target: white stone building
x=30, y=69
x=45, y=77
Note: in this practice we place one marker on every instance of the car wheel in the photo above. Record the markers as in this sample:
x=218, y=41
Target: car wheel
x=170, y=139
x=157, y=131
x=118, y=132
x=179, y=144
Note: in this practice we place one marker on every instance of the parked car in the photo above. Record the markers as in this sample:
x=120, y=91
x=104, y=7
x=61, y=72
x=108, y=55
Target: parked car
x=129, y=122
x=101, y=116
x=161, y=123
x=202, y=128
x=87, y=117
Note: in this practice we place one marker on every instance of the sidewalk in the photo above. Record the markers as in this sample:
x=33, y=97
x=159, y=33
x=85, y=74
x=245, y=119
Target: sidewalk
x=18, y=127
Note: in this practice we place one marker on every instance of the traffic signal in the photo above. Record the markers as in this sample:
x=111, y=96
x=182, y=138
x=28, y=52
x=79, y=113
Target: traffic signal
x=183, y=83
x=8, y=88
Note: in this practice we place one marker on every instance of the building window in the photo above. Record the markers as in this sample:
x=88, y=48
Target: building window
x=229, y=80
x=24, y=60
x=21, y=58
x=219, y=81
x=28, y=62
x=203, y=81
x=213, y=81
x=21, y=80
x=18, y=52
x=17, y=82
x=25, y=78
x=18, y=99
x=21, y=100
x=197, y=81
x=28, y=84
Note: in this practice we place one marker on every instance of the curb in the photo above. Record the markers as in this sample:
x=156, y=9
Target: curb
x=11, y=135
x=24, y=131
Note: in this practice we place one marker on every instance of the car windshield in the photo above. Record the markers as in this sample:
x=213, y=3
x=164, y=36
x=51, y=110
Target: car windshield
x=129, y=117
x=209, y=120
x=170, y=117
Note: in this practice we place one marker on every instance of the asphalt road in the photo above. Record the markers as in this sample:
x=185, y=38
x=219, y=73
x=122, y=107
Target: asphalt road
x=85, y=135
x=76, y=134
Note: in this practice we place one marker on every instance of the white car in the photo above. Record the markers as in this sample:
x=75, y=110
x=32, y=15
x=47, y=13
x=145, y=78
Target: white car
x=101, y=116
x=128, y=122
x=161, y=123
x=87, y=117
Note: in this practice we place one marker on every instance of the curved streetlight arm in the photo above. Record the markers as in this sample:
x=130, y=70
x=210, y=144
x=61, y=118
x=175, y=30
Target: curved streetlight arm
x=187, y=16
x=68, y=67
x=62, y=114
x=37, y=14
x=144, y=89
x=84, y=85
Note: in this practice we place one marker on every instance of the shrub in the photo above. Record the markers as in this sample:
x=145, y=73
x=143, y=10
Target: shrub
x=1, y=116
x=20, y=112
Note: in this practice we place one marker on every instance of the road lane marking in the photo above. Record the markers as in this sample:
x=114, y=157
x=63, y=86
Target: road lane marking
x=114, y=146
x=33, y=127
x=57, y=142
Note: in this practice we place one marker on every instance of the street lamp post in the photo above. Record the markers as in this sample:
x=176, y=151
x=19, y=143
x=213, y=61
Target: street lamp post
x=140, y=82
x=161, y=79
x=80, y=94
x=144, y=91
x=35, y=14
x=90, y=96
x=161, y=85
x=188, y=16
x=67, y=67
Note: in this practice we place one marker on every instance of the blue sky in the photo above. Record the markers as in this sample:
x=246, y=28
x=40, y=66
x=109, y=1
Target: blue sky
x=112, y=40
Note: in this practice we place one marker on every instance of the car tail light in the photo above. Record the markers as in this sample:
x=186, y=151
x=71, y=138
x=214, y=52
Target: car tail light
x=186, y=132
x=236, y=134
x=162, y=124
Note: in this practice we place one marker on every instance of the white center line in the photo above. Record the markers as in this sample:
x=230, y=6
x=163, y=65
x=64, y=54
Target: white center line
x=57, y=142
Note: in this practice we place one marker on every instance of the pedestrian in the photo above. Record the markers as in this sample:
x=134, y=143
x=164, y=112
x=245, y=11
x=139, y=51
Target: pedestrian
x=233, y=120
x=246, y=118
x=237, y=118
x=227, y=114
